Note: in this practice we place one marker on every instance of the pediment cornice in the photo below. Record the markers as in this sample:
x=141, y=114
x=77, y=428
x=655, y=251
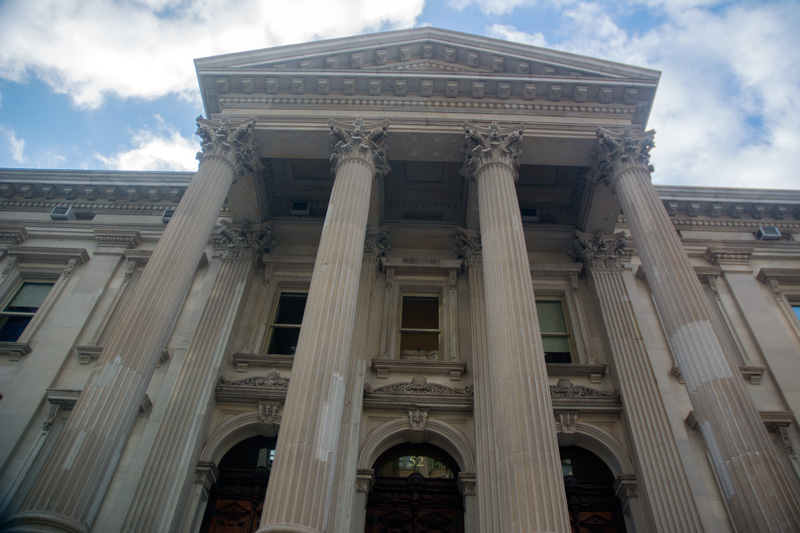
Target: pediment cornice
x=423, y=63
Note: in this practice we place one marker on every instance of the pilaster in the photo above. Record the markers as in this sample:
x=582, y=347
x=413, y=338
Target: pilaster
x=660, y=469
x=300, y=493
x=530, y=486
x=90, y=446
x=167, y=475
x=751, y=477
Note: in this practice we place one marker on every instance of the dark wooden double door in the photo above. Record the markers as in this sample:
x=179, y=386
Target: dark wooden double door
x=415, y=505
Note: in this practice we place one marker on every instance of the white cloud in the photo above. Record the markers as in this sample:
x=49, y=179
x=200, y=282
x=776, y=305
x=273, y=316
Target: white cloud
x=15, y=145
x=727, y=110
x=490, y=7
x=160, y=147
x=90, y=49
x=510, y=33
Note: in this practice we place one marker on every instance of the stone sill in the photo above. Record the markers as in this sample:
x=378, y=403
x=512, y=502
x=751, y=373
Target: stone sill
x=595, y=372
x=244, y=361
x=14, y=350
x=90, y=352
x=453, y=369
x=771, y=419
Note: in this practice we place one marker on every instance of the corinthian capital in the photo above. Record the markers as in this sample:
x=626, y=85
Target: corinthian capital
x=598, y=250
x=492, y=145
x=245, y=241
x=468, y=246
x=232, y=141
x=367, y=145
x=616, y=152
x=376, y=243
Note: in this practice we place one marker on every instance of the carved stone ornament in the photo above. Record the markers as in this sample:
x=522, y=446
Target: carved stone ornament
x=376, y=244
x=245, y=241
x=615, y=152
x=568, y=421
x=232, y=141
x=468, y=246
x=369, y=145
x=271, y=380
x=12, y=264
x=565, y=389
x=269, y=412
x=417, y=419
x=55, y=410
x=492, y=145
x=598, y=250
x=420, y=385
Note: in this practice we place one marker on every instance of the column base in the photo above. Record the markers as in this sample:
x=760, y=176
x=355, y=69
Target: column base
x=43, y=522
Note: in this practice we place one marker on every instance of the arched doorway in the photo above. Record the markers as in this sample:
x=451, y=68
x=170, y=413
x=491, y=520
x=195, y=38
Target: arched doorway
x=415, y=491
x=589, y=485
x=236, y=499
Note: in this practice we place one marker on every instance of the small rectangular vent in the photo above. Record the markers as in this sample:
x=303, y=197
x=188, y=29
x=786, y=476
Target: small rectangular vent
x=529, y=214
x=166, y=216
x=300, y=209
x=62, y=212
x=768, y=233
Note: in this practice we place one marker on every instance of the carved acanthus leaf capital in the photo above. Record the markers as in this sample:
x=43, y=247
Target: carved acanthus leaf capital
x=468, y=246
x=616, y=152
x=598, y=250
x=491, y=145
x=376, y=244
x=245, y=241
x=232, y=141
x=368, y=145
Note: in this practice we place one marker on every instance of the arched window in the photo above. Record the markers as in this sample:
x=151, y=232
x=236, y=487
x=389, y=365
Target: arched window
x=589, y=485
x=237, y=498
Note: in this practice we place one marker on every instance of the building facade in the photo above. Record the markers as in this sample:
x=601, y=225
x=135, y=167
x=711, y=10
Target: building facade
x=421, y=281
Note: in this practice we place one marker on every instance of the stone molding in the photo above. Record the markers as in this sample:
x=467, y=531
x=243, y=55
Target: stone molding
x=368, y=146
x=491, y=145
x=420, y=385
x=566, y=389
x=233, y=142
x=617, y=151
x=270, y=387
x=9, y=235
x=115, y=238
x=453, y=369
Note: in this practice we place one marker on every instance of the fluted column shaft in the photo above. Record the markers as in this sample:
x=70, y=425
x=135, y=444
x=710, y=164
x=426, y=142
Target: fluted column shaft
x=300, y=491
x=486, y=460
x=530, y=484
x=758, y=492
x=660, y=467
x=71, y=487
x=160, y=495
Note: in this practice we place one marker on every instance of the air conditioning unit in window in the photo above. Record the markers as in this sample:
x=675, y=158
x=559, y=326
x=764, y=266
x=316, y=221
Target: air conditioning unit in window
x=529, y=214
x=62, y=212
x=301, y=209
x=166, y=216
x=768, y=233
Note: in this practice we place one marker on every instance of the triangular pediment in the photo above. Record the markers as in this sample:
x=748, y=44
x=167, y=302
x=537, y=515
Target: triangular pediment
x=423, y=49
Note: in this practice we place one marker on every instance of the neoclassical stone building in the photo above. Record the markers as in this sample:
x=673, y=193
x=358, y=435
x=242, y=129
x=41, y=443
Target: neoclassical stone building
x=421, y=281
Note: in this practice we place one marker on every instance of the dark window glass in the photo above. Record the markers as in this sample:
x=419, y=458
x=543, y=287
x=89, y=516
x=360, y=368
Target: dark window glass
x=285, y=329
x=419, y=328
x=555, y=334
x=19, y=311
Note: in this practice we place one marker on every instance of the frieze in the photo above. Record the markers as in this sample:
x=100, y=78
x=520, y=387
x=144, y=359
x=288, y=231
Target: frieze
x=565, y=389
x=271, y=380
x=420, y=385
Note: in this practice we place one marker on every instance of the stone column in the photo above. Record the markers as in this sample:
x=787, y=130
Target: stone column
x=756, y=487
x=161, y=494
x=530, y=486
x=660, y=469
x=71, y=487
x=299, y=495
x=375, y=246
x=468, y=247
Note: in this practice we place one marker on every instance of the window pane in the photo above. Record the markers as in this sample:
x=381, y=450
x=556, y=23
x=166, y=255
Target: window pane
x=290, y=308
x=551, y=316
x=284, y=341
x=420, y=312
x=556, y=350
x=11, y=327
x=29, y=297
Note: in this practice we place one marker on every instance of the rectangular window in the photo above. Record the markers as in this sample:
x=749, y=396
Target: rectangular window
x=285, y=327
x=419, y=328
x=555, y=334
x=20, y=309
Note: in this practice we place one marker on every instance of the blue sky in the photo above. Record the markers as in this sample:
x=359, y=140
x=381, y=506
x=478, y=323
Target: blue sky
x=100, y=84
